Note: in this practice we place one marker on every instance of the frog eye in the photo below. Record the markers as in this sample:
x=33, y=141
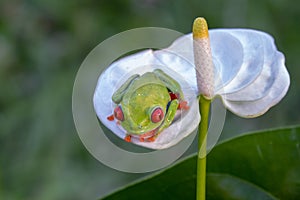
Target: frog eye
x=119, y=113
x=157, y=115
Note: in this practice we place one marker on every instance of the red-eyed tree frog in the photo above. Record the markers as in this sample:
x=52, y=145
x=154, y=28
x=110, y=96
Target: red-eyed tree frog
x=146, y=104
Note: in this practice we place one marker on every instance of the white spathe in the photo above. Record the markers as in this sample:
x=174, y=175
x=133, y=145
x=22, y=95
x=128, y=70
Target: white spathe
x=250, y=77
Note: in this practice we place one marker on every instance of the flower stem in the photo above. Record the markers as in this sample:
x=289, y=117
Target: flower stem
x=204, y=105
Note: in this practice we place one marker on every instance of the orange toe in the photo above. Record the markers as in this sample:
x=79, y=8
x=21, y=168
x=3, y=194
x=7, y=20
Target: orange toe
x=151, y=139
x=183, y=105
x=111, y=118
x=127, y=138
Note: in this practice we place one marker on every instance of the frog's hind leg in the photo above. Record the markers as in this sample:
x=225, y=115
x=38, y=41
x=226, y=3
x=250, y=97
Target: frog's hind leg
x=170, y=83
x=118, y=94
x=173, y=87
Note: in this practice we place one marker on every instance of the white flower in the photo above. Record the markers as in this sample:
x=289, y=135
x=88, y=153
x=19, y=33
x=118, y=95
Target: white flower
x=249, y=75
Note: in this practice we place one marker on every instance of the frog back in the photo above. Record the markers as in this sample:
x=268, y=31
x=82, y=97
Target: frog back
x=146, y=93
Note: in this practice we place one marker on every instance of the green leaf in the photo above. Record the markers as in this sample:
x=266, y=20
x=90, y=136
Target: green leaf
x=270, y=160
x=176, y=182
x=261, y=165
x=225, y=186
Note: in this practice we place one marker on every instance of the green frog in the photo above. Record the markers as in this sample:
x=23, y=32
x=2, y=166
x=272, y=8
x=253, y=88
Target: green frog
x=146, y=104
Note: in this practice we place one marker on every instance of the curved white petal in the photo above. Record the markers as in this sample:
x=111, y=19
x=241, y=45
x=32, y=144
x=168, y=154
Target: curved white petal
x=269, y=60
x=251, y=60
x=258, y=107
x=139, y=63
x=183, y=66
x=228, y=55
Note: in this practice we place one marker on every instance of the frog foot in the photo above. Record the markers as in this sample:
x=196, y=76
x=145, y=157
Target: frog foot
x=183, y=105
x=152, y=139
x=127, y=138
x=149, y=136
x=146, y=136
x=111, y=118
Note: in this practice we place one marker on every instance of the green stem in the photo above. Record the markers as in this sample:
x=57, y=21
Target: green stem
x=204, y=105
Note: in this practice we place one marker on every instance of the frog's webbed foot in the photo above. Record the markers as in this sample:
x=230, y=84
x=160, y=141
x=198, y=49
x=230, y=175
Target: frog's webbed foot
x=141, y=139
x=150, y=139
x=127, y=138
x=153, y=138
x=111, y=118
x=148, y=136
x=183, y=105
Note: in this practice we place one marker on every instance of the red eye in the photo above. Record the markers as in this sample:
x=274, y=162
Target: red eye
x=157, y=115
x=119, y=113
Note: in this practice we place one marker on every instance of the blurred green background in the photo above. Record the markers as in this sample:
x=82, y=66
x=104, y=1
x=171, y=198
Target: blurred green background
x=42, y=44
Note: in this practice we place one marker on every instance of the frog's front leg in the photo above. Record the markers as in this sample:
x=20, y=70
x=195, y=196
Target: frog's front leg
x=169, y=117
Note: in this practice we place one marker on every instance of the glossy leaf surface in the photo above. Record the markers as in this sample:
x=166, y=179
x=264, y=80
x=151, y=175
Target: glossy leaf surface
x=262, y=165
